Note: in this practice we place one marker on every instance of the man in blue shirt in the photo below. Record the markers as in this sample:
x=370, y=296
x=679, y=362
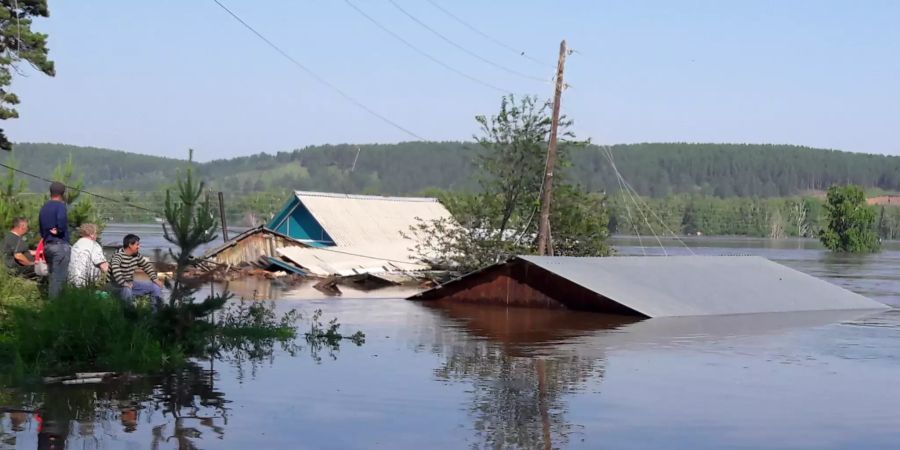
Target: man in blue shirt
x=54, y=227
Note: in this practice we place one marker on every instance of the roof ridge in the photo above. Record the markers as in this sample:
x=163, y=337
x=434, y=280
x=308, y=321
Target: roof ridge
x=363, y=197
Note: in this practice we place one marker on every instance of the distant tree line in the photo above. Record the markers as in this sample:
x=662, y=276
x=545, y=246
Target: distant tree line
x=654, y=170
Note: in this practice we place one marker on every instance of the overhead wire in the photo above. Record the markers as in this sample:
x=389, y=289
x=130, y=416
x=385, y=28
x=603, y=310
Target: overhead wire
x=322, y=80
x=644, y=216
x=100, y=196
x=628, y=211
x=623, y=183
x=489, y=37
x=466, y=50
x=418, y=50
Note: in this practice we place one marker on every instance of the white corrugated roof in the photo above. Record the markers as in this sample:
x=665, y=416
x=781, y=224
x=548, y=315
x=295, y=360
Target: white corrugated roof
x=365, y=220
x=372, y=258
x=703, y=285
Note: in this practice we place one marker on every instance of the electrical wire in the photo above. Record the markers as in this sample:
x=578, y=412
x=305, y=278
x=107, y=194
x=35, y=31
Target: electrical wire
x=322, y=80
x=420, y=51
x=489, y=37
x=110, y=199
x=466, y=50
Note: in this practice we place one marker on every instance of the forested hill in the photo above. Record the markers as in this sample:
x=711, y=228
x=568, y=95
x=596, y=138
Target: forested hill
x=722, y=170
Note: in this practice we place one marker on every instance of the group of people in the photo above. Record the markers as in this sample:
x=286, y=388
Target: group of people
x=82, y=264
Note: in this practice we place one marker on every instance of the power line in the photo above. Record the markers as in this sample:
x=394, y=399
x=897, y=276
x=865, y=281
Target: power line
x=464, y=49
x=420, y=51
x=489, y=37
x=315, y=76
x=110, y=199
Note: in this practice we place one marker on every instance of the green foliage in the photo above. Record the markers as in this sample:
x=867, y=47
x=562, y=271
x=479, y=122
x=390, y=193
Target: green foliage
x=191, y=223
x=579, y=222
x=14, y=201
x=328, y=338
x=851, y=221
x=500, y=219
x=654, y=170
x=15, y=292
x=20, y=44
x=84, y=331
x=694, y=214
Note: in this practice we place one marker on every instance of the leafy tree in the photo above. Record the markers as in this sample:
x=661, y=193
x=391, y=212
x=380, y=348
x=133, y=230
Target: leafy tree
x=18, y=44
x=851, y=222
x=500, y=220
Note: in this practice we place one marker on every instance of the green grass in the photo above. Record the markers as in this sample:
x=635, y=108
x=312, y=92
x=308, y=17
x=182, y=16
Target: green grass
x=83, y=331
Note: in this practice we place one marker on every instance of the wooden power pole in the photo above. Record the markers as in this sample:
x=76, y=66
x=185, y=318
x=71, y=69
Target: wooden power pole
x=222, y=217
x=545, y=246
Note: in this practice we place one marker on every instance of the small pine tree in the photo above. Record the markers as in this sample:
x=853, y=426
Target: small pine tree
x=191, y=223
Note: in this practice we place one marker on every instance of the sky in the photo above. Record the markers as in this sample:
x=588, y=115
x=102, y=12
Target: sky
x=162, y=76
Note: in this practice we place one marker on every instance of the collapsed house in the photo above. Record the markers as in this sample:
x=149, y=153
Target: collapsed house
x=670, y=286
x=256, y=246
x=326, y=234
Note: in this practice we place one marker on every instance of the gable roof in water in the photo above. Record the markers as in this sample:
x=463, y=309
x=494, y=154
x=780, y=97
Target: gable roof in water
x=651, y=286
x=359, y=220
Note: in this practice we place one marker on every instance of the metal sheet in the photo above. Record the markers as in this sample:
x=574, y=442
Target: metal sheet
x=703, y=285
x=359, y=220
x=672, y=286
x=346, y=261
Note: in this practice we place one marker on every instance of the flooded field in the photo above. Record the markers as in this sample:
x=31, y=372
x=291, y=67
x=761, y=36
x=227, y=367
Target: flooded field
x=464, y=377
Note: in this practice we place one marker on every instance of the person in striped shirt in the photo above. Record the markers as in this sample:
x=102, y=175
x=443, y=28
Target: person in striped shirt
x=121, y=270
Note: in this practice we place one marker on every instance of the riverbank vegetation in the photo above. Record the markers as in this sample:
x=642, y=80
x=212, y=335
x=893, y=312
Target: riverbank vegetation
x=86, y=329
x=851, y=222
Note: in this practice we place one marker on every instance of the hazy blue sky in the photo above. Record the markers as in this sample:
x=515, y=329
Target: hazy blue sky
x=161, y=76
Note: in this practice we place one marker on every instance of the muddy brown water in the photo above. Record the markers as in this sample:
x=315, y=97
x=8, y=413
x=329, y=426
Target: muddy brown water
x=458, y=376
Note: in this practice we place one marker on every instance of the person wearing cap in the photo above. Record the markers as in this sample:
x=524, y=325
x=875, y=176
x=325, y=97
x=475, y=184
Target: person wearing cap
x=87, y=262
x=53, y=224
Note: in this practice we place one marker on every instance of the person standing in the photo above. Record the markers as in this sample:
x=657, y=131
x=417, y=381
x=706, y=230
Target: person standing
x=53, y=223
x=15, y=250
x=87, y=262
x=121, y=269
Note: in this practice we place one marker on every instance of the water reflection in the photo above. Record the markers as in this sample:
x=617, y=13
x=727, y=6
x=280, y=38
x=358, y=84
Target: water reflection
x=519, y=375
x=180, y=407
x=525, y=366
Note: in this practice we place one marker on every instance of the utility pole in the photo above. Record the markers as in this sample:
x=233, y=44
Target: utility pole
x=222, y=217
x=545, y=246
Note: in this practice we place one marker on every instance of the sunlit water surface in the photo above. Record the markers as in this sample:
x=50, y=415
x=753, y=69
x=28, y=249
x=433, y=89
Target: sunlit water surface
x=469, y=377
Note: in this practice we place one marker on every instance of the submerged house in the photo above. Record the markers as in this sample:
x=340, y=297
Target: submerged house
x=647, y=286
x=352, y=234
x=256, y=245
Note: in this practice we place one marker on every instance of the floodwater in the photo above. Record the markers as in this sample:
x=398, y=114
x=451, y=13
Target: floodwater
x=468, y=377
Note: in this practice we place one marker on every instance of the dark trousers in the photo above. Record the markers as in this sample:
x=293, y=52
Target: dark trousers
x=24, y=272
x=57, y=254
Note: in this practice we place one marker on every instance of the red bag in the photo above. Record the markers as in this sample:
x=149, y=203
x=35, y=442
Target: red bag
x=40, y=261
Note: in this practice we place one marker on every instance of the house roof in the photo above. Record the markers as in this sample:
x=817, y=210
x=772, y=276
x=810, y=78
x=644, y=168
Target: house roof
x=237, y=239
x=693, y=285
x=373, y=258
x=361, y=220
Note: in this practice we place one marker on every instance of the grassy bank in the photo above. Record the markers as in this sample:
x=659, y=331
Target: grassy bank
x=84, y=330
